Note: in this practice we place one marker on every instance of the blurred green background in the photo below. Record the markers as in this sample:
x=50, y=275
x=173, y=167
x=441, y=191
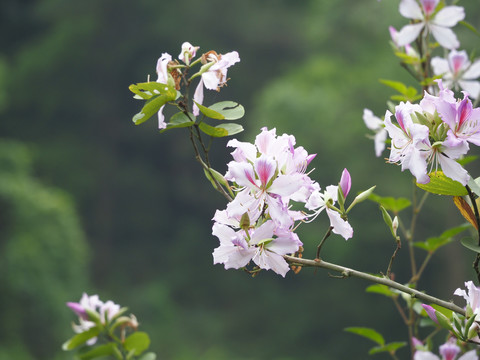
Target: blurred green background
x=90, y=202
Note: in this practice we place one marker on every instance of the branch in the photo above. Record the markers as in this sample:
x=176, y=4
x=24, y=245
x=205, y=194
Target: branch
x=347, y=272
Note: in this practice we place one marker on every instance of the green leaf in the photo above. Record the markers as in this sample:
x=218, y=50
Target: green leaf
x=442, y=185
x=153, y=105
x=229, y=109
x=149, y=89
x=213, y=114
x=390, y=203
x=148, y=356
x=390, y=347
x=381, y=289
x=367, y=333
x=179, y=120
x=434, y=243
x=396, y=85
x=98, y=351
x=81, y=338
x=470, y=27
x=471, y=244
x=467, y=160
x=220, y=130
x=138, y=341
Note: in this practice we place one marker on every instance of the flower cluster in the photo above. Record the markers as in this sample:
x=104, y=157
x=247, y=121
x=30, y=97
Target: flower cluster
x=434, y=133
x=92, y=311
x=448, y=351
x=257, y=225
x=213, y=73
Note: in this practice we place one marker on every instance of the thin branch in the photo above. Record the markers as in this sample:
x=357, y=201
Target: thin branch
x=390, y=264
x=328, y=233
x=347, y=272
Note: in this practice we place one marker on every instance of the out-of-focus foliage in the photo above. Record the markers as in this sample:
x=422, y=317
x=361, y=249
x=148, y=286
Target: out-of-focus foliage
x=42, y=258
x=307, y=67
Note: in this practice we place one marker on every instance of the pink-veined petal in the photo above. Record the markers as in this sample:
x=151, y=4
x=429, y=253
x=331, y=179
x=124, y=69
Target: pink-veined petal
x=429, y=6
x=265, y=168
x=425, y=355
x=242, y=173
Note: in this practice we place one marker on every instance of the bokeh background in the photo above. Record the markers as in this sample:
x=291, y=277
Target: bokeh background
x=90, y=202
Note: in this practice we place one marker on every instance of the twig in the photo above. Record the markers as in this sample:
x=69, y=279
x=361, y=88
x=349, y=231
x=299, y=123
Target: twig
x=347, y=272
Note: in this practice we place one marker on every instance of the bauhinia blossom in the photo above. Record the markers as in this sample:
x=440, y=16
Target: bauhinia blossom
x=406, y=140
x=449, y=351
x=257, y=225
x=264, y=245
x=105, y=311
x=426, y=17
x=472, y=297
x=319, y=201
x=162, y=71
x=458, y=72
x=214, y=74
x=269, y=174
x=188, y=52
x=377, y=125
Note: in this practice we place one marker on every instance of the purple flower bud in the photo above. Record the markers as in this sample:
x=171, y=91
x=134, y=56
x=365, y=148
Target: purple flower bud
x=78, y=309
x=345, y=182
x=430, y=312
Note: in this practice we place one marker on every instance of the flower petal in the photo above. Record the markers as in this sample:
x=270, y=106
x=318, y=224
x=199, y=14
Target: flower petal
x=409, y=33
x=445, y=36
x=411, y=10
x=449, y=16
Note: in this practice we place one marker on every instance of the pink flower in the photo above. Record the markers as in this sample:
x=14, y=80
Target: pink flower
x=458, y=72
x=265, y=246
x=376, y=124
x=325, y=201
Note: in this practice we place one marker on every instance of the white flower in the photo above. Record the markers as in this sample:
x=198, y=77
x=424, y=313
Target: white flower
x=436, y=23
x=376, y=124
